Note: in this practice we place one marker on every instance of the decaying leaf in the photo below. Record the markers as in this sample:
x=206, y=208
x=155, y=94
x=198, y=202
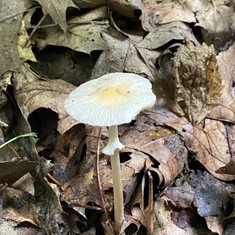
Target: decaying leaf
x=198, y=83
x=193, y=80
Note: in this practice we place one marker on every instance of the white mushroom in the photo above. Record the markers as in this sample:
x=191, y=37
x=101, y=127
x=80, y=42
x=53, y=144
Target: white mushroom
x=111, y=100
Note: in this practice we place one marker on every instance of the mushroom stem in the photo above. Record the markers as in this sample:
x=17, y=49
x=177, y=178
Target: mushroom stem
x=117, y=190
x=113, y=150
x=113, y=143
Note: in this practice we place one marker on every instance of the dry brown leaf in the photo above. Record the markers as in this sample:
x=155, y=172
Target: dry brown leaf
x=13, y=170
x=164, y=12
x=209, y=144
x=121, y=49
x=165, y=225
x=89, y=4
x=125, y=8
x=162, y=144
x=81, y=37
x=216, y=18
x=67, y=153
x=228, y=168
x=32, y=93
x=24, y=50
x=215, y=224
x=18, y=206
x=115, y=57
x=166, y=33
x=9, y=28
x=79, y=194
x=57, y=10
x=226, y=108
x=210, y=197
x=97, y=14
x=83, y=188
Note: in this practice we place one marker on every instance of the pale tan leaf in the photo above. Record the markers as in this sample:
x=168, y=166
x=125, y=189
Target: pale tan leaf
x=24, y=50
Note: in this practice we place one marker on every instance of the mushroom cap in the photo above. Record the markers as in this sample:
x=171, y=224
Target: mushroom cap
x=112, y=99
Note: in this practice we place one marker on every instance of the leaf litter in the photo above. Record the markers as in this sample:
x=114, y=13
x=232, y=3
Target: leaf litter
x=178, y=161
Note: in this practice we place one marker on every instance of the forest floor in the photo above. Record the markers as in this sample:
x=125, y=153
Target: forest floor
x=178, y=164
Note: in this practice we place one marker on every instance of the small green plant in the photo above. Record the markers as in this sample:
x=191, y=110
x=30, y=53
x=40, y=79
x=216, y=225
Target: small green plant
x=30, y=134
